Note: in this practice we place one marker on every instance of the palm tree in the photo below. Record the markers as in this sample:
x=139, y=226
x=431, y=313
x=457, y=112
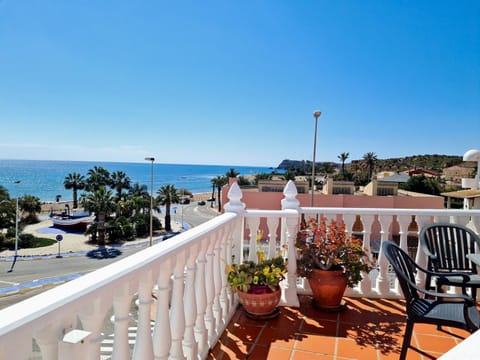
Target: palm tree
x=97, y=177
x=262, y=176
x=289, y=175
x=74, y=181
x=120, y=181
x=232, y=173
x=326, y=168
x=102, y=204
x=369, y=160
x=213, y=190
x=220, y=181
x=140, y=196
x=343, y=157
x=168, y=194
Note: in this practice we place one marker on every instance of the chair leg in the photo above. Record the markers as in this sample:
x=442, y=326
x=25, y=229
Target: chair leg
x=406, y=340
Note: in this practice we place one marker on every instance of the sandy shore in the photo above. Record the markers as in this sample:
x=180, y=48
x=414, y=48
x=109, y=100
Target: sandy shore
x=75, y=242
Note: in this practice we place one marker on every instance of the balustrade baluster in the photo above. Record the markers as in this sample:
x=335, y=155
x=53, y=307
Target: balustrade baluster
x=218, y=267
x=92, y=316
x=252, y=224
x=210, y=291
x=367, y=223
x=162, y=337
x=143, y=349
x=403, y=222
x=421, y=257
x=272, y=224
x=383, y=284
x=48, y=340
x=121, y=306
x=177, y=311
x=201, y=334
x=189, y=344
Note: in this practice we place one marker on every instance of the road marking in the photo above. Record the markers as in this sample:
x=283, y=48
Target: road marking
x=9, y=282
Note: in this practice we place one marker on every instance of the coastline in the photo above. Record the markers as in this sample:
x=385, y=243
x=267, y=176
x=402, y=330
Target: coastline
x=45, y=178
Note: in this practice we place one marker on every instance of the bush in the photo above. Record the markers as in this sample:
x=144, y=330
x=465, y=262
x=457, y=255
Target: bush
x=26, y=241
x=2, y=240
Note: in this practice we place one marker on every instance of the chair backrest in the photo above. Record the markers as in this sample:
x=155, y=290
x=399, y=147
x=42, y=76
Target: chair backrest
x=404, y=268
x=447, y=245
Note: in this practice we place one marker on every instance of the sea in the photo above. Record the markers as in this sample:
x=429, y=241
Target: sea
x=44, y=178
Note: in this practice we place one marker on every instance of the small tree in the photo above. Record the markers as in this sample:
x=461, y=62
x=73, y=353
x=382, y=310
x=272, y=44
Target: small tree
x=168, y=195
x=101, y=203
x=422, y=184
x=76, y=182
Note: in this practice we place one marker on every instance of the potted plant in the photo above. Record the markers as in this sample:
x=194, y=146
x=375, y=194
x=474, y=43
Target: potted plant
x=330, y=259
x=257, y=283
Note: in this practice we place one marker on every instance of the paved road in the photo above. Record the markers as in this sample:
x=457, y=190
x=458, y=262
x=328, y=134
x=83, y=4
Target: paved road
x=31, y=277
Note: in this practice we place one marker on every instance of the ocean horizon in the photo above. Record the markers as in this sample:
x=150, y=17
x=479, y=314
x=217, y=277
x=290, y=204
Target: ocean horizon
x=44, y=178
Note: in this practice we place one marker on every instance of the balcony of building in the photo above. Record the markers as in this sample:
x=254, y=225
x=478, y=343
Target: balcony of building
x=171, y=301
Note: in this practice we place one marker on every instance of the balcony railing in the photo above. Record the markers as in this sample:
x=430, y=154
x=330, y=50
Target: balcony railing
x=186, y=276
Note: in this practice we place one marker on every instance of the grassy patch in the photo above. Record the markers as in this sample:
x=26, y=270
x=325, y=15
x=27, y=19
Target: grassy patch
x=41, y=242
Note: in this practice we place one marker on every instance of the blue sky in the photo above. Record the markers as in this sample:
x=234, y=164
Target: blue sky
x=236, y=82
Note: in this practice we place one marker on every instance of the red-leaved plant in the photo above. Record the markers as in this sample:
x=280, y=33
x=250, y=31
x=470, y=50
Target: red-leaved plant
x=329, y=247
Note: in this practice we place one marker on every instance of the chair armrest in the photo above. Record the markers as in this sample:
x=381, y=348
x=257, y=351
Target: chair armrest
x=465, y=277
x=442, y=277
x=468, y=300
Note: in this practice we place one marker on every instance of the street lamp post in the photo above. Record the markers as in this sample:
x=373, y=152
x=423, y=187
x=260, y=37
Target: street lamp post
x=183, y=196
x=152, y=159
x=16, y=228
x=316, y=115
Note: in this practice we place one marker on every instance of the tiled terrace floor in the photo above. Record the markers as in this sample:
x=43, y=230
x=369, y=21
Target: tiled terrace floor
x=368, y=329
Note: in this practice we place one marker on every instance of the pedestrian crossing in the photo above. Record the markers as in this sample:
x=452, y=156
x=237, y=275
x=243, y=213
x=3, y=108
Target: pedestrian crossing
x=106, y=348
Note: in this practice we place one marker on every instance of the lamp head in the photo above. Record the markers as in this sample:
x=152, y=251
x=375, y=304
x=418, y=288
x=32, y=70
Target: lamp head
x=316, y=114
x=152, y=159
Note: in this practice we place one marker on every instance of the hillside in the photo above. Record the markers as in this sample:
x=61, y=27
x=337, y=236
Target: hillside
x=431, y=162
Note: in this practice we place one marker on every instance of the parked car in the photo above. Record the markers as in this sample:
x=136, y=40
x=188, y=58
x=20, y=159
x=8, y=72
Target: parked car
x=201, y=202
x=185, y=201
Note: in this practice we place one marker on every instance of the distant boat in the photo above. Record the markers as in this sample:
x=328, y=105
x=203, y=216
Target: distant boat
x=77, y=220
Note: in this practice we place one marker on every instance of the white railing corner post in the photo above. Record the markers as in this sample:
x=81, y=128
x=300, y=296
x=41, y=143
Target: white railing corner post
x=290, y=201
x=234, y=196
x=288, y=234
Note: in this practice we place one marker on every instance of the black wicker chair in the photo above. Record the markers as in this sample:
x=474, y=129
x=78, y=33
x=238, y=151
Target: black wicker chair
x=424, y=306
x=447, y=246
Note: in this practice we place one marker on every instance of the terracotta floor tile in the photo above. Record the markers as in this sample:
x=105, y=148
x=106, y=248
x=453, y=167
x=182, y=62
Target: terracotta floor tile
x=319, y=326
x=348, y=348
x=304, y=355
x=269, y=353
x=316, y=343
x=231, y=350
x=370, y=329
x=273, y=336
x=245, y=333
x=430, y=343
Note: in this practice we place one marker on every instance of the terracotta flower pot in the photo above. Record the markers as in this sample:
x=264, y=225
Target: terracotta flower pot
x=328, y=287
x=260, y=300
